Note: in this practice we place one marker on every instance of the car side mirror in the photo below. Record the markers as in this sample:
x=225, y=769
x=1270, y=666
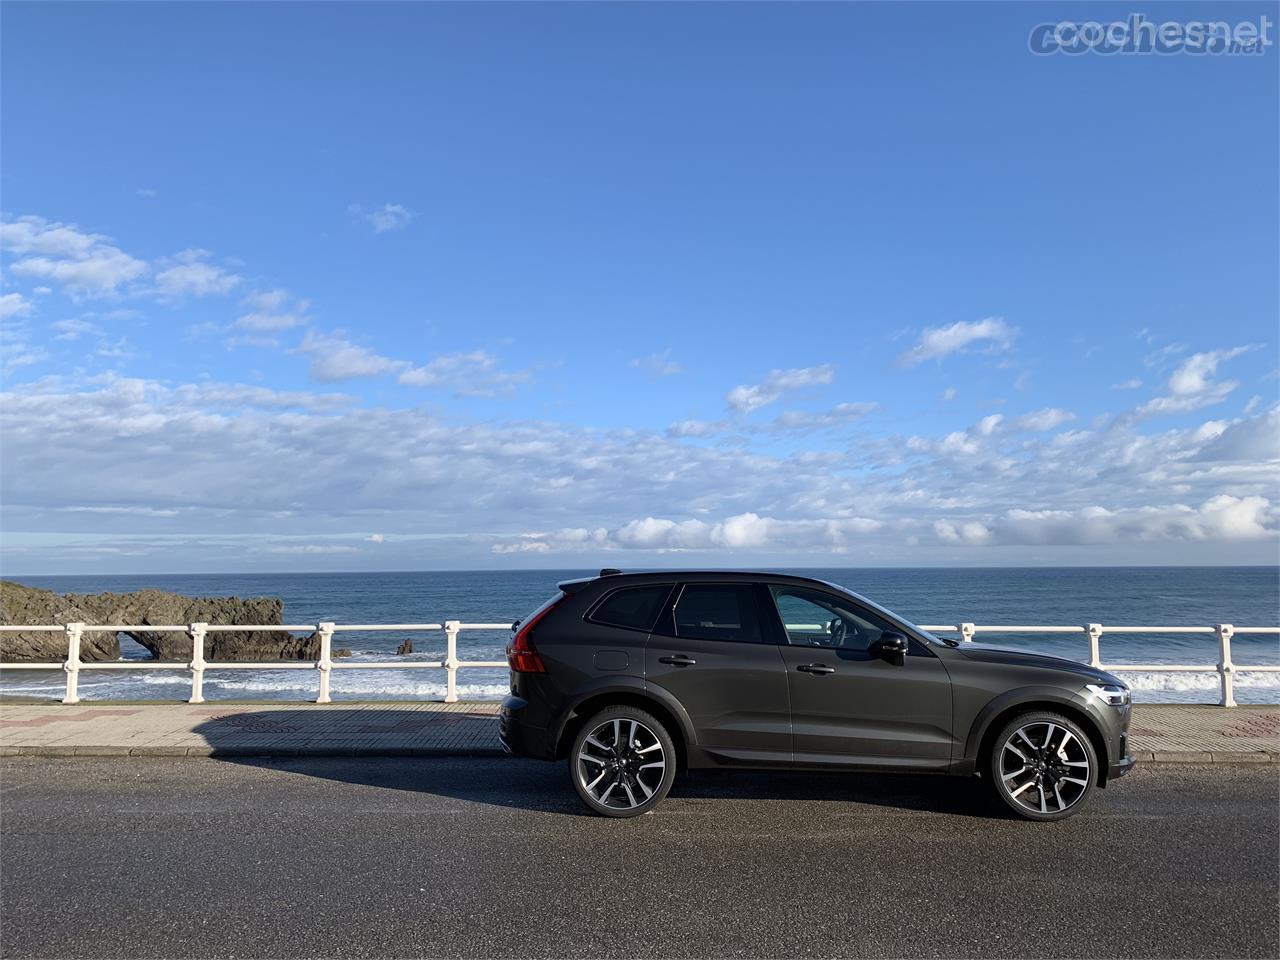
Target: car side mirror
x=892, y=648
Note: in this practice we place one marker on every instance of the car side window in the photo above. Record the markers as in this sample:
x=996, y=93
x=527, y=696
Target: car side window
x=634, y=608
x=717, y=611
x=814, y=619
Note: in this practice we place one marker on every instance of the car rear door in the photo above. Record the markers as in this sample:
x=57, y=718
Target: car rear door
x=849, y=706
x=712, y=650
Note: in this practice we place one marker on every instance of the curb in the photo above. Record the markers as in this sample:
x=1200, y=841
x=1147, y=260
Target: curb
x=1143, y=757
x=216, y=753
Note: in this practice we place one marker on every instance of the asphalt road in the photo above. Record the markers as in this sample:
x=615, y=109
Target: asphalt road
x=471, y=858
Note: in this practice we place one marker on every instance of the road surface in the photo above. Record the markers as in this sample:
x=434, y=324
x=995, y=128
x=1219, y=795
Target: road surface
x=493, y=857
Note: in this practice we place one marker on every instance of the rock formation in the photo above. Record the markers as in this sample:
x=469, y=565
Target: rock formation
x=20, y=604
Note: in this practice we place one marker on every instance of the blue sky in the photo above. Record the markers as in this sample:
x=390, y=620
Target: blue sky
x=340, y=286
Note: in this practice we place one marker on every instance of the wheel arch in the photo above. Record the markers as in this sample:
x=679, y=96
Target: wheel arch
x=1003, y=709
x=672, y=716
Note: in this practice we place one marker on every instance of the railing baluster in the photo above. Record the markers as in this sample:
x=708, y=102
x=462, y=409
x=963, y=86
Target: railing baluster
x=325, y=664
x=197, y=631
x=1226, y=669
x=1094, y=630
x=72, y=666
x=966, y=632
x=451, y=628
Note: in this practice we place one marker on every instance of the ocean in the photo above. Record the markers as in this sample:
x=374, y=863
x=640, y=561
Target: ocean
x=1165, y=596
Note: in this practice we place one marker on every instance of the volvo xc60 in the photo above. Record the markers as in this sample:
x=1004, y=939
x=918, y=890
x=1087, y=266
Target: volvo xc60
x=630, y=677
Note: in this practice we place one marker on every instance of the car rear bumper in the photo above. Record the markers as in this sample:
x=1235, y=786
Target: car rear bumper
x=517, y=736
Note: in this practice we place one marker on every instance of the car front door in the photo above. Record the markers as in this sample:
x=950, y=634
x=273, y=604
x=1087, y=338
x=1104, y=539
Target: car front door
x=849, y=705
x=714, y=651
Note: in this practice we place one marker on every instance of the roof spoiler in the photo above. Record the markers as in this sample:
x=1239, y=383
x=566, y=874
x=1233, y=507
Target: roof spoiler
x=570, y=587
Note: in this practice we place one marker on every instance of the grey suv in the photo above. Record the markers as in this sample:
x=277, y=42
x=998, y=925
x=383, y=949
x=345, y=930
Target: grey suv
x=630, y=677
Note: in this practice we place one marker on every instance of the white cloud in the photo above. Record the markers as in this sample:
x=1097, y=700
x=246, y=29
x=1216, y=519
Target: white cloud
x=988, y=425
x=74, y=328
x=797, y=421
x=389, y=216
x=474, y=374
x=658, y=364
x=189, y=273
x=1191, y=385
x=1038, y=421
x=85, y=263
x=16, y=352
x=1222, y=517
x=696, y=428
x=375, y=538
x=970, y=533
x=311, y=549
x=938, y=342
x=1132, y=384
x=949, y=393
x=103, y=272
x=35, y=235
x=118, y=349
x=745, y=531
x=14, y=305
x=749, y=397
x=146, y=192
x=335, y=358
x=1253, y=439
x=527, y=545
x=270, y=310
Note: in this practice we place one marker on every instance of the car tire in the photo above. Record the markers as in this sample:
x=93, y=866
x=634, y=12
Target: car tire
x=623, y=762
x=1042, y=766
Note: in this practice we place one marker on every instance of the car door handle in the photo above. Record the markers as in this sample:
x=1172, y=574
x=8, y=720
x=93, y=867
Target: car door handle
x=821, y=669
x=679, y=660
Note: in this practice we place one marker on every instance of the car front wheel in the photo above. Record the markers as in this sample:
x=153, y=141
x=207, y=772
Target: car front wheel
x=623, y=762
x=1043, y=766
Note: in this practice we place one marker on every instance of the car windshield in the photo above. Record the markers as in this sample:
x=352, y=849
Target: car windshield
x=895, y=616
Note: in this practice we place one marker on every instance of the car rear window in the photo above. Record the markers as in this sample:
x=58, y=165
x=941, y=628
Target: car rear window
x=632, y=607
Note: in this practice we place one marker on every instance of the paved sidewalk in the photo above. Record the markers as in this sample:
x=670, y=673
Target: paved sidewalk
x=1160, y=733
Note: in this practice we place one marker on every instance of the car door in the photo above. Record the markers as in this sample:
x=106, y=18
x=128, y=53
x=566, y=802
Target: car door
x=714, y=651
x=848, y=705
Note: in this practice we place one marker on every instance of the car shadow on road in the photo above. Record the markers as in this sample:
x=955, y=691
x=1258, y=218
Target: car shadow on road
x=263, y=738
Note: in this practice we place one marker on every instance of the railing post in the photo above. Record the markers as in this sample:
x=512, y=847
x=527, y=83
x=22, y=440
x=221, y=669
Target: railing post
x=196, y=632
x=72, y=666
x=1094, y=630
x=451, y=660
x=325, y=665
x=966, y=632
x=1226, y=669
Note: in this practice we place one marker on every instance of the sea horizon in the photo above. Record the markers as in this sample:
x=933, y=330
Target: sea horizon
x=727, y=568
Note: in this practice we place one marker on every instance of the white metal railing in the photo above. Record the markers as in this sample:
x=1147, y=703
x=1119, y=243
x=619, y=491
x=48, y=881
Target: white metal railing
x=198, y=665
x=1225, y=668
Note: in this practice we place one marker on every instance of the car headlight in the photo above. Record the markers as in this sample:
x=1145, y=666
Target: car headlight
x=1113, y=694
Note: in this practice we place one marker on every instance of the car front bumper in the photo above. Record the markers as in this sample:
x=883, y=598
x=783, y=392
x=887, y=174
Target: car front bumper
x=1120, y=767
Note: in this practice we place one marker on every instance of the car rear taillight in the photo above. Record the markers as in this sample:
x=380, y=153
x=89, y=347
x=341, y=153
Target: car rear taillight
x=521, y=655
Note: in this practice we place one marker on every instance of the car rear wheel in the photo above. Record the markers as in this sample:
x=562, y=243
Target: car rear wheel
x=623, y=762
x=1043, y=766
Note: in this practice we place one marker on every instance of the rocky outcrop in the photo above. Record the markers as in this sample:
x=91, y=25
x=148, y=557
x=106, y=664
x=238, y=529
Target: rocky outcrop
x=19, y=604
x=405, y=648
x=23, y=605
